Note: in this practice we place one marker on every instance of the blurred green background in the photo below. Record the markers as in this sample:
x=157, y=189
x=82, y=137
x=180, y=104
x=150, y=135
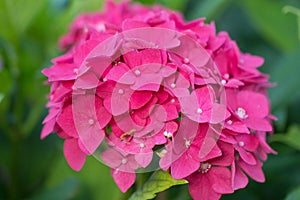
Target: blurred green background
x=31, y=168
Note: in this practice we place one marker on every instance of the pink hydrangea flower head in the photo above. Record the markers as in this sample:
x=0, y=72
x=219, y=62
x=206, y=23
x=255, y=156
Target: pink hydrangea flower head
x=141, y=89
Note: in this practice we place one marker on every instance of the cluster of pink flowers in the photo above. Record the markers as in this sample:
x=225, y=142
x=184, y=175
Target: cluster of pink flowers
x=153, y=91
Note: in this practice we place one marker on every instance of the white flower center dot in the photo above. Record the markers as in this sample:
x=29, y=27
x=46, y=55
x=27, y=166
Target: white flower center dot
x=241, y=143
x=124, y=161
x=173, y=85
x=173, y=101
x=121, y=91
x=187, y=143
x=199, y=110
x=91, y=122
x=142, y=145
x=168, y=134
x=137, y=72
x=100, y=27
x=204, y=167
x=226, y=76
x=223, y=82
x=241, y=112
x=229, y=122
x=186, y=60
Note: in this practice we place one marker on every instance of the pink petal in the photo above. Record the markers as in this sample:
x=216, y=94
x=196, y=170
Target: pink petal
x=136, y=59
x=139, y=98
x=254, y=171
x=88, y=80
x=236, y=126
x=250, y=141
x=255, y=104
x=221, y=180
x=200, y=187
x=239, y=179
x=185, y=165
x=48, y=128
x=60, y=72
x=227, y=155
x=74, y=156
x=112, y=158
x=131, y=24
x=143, y=159
x=121, y=74
x=124, y=180
x=258, y=124
x=246, y=156
x=219, y=113
x=66, y=121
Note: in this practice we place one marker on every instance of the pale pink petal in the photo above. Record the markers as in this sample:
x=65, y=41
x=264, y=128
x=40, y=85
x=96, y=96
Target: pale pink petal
x=143, y=159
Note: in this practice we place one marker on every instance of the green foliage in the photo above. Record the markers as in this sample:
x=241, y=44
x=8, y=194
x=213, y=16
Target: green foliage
x=294, y=195
x=295, y=11
x=35, y=169
x=207, y=9
x=63, y=191
x=291, y=138
x=283, y=74
x=268, y=18
x=158, y=182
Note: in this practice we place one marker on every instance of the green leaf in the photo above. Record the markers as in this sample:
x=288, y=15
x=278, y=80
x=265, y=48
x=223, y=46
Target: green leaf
x=295, y=11
x=158, y=182
x=64, y=191
x=173, y=4
x=6, y=81
x=95, y=179
x=287, y=84
x=291, y=138
x=18, y=15
x=272, y=23
x=294, y=195
x=1, y=97
x=208, y=9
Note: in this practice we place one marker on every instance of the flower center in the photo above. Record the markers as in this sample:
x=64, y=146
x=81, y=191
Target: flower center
x=173, y=85
x=199, y=110
x=229, y=122
x=121, y=91
x=204, y=167
x=241, y=143
x=124, y=161
x=100, y=27
x=241, y=112
x=137, y=72
x=91, y=122
x=187, y=143
x=142, y=145
x=168, y=134
x=186, y=60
